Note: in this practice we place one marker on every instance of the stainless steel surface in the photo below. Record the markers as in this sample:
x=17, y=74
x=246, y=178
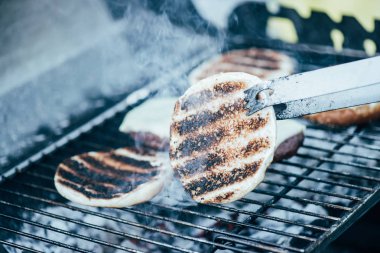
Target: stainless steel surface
x=348, y=98
x=340, y=86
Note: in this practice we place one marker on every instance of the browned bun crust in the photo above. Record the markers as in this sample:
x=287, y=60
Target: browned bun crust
x=263, y=63
x=289, y=147
x=348, y=116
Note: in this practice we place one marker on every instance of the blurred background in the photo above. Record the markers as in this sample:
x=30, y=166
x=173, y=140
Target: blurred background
x=62, y=62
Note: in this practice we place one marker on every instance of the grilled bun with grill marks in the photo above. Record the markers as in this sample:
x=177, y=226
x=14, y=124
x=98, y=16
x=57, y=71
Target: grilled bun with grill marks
x=219, y=153
x=120, y=178
x=263, y=63
x=349, y=116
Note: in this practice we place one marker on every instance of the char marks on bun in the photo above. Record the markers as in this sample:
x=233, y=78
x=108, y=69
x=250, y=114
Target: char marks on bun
x=120, y=178
x=219, y=153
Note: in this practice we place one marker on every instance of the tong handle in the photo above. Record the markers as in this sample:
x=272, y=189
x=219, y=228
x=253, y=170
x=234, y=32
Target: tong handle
x=314, y=84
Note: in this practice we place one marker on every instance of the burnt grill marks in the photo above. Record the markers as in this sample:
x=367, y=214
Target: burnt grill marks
x=202, y=142
x=95, y=164
x=251, y=62
x=132, y=162
x=198, y=99
x=93, y=179
x=219, y=199
x=88, y=185
x=215, y=180
x=194, y=122
x=255, y=146
x=200, y=164
x=77, y=169
x=209, y=161
x=80, y=170
x=199, y=143
x=88, y=192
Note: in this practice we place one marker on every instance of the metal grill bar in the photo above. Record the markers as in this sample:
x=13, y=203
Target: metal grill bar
x=327, y=217
x=236, y=222
x=342, y=196
x=343, y=174
x=256, y=190
x=319, y=180
x=278, y=207
x=245, y=243
x=183, y=223
x=366, y=146
x=148, y=214
x=17, y=246
x=329, y=160
x=360, y=208
x=314, y=202
x=39, y=238
x=276, y=199
x=270, y=205
x=126, y=221
x=87, y=225
x=360, y=135
x=44, y=188
x=48, y=227
x=179, y=222
x=95, y=145
x=312, y=147
x=299, y=199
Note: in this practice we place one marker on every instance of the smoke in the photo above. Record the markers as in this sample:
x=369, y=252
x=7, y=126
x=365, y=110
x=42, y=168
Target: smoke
x=74, y=81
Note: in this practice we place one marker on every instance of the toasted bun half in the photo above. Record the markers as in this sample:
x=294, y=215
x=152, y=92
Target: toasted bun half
x=219, y=153
x=120, y=178
x=263, y=63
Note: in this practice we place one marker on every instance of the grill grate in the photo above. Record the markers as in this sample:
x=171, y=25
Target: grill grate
x=303, y=203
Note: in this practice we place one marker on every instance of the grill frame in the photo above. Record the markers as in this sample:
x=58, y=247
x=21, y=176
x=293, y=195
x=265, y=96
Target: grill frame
x=353, y=213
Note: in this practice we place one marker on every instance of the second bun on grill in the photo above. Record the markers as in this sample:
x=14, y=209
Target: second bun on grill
x=263, y=63
x=349, y=116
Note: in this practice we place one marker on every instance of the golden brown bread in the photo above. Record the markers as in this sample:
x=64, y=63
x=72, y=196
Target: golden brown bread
x=119, y=178
x=220, y=153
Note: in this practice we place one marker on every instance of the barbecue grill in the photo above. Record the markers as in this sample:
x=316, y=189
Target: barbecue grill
x=303, y=204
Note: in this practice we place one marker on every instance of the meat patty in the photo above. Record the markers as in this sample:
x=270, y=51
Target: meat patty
x=119, y=178
x=348, y=116
x=220, y=153
x=263, y=63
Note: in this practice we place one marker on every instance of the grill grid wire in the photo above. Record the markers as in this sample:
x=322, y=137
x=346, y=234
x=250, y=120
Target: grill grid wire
x=32, y=193
x=39, y=170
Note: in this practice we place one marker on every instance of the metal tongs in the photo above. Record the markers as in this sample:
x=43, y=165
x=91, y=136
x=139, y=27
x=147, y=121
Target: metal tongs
x=325, y=89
